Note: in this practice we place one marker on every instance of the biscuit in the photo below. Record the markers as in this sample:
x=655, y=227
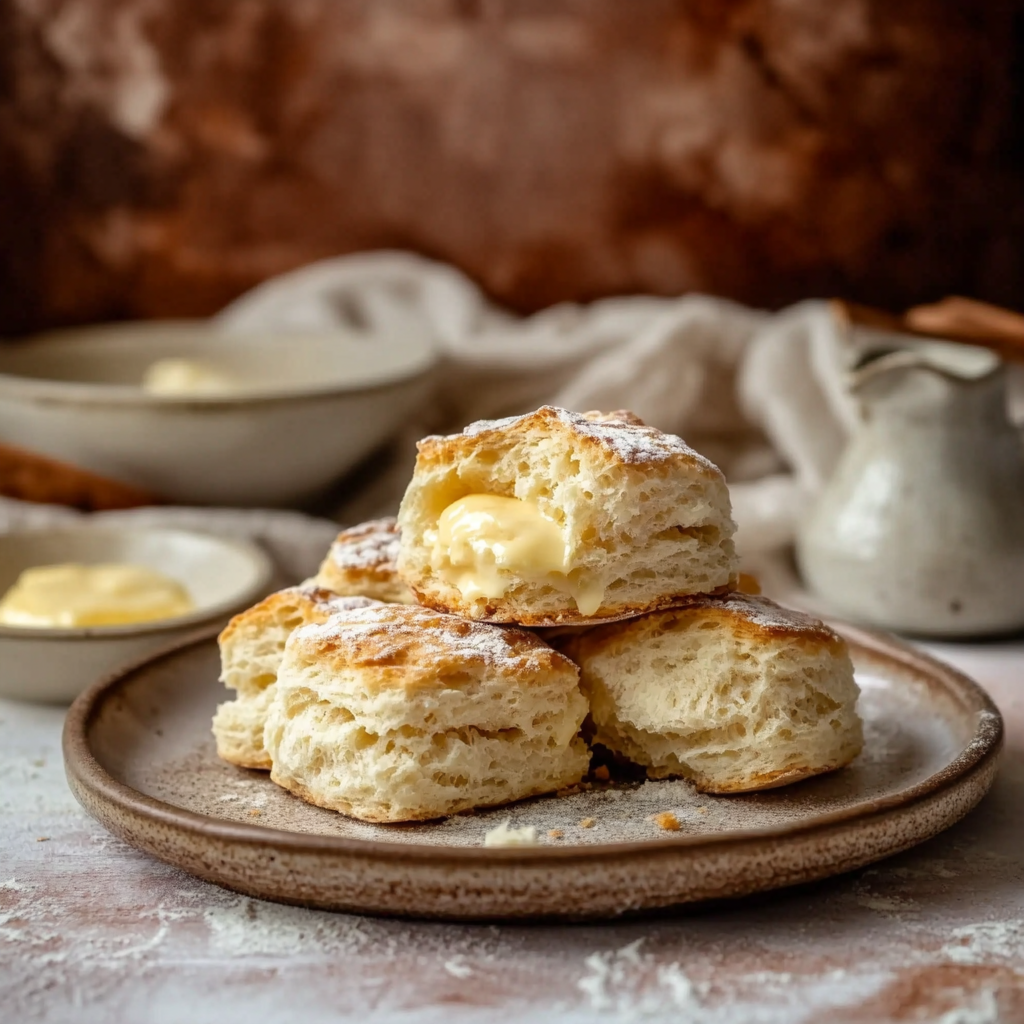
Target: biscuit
x=732, y=693
x=559, y=517
x=251, y=648
x=362, y=561
x=401, y=713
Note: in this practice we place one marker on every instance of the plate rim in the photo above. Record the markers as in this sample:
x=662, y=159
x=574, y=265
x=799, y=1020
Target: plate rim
x=83, y=769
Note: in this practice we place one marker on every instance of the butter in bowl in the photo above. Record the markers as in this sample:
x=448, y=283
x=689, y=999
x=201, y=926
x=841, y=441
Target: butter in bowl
x=201, y=416
x=76, y=604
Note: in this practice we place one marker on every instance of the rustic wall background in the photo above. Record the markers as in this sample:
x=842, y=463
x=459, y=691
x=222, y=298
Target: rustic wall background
x=158, y=157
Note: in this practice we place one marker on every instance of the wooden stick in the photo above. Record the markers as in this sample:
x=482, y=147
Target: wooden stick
x=953, y=319
x=31, y=477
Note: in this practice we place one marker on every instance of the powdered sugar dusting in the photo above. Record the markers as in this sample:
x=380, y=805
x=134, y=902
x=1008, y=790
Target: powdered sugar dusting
x=371, y=546
x=330, y=601
x=309, y=597
x=407, y=634
x=627, y=439
x=761, y=612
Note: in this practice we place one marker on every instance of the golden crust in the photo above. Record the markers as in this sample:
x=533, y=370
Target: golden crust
x=416, y=648
x=773, y=780
x=749, y=617
x=616, y=416
x=616, y=438
x=363, y=560
x=312, y=599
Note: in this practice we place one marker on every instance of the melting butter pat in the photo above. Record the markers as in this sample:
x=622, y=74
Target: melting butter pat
x=92, y=595
x=481, y=534
x=188, y=377
x=483, y=541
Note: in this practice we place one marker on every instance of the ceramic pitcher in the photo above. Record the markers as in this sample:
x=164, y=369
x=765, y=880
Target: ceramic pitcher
x=921, y=527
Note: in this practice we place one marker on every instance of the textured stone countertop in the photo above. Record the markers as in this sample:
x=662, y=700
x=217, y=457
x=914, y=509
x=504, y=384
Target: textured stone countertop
x=92, y=931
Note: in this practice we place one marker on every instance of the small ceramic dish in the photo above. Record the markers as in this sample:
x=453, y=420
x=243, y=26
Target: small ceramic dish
x=309, y=406
x=56, y=664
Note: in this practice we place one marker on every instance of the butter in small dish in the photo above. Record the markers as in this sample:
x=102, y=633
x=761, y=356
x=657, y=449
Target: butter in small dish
x=72, y=595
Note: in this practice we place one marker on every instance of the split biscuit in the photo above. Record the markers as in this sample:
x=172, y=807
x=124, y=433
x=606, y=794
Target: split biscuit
x=401, y=713
x=251, y=648
x=362, y=561
x=733, y=693
x=559, y=517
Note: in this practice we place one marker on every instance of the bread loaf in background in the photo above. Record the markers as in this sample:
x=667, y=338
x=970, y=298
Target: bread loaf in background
x=158, y=158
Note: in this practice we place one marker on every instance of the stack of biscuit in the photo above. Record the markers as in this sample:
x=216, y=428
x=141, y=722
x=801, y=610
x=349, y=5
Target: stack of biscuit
x=553, y=581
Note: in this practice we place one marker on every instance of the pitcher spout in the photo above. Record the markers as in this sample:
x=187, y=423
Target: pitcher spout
x=956, y=364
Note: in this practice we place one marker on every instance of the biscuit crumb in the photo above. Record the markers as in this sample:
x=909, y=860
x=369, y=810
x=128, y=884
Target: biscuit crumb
x=555, y=833
x=588, y=823
x=601, y=773
x=502, y=835
x=255, y=812
x=42, y=839
x=702, y=810
x=668, y=821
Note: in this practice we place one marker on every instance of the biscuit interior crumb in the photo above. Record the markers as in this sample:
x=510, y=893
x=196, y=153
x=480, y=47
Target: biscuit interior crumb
x=668, y=821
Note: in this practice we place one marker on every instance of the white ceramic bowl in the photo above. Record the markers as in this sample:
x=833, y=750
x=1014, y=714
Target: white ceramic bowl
x=315, y=404
x=55, y=665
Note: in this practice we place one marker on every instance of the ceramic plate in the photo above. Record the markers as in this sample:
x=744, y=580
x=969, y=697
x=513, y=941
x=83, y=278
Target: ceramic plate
x=141, y=759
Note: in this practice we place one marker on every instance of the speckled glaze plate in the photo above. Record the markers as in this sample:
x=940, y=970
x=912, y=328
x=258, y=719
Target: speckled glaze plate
x=141, y=759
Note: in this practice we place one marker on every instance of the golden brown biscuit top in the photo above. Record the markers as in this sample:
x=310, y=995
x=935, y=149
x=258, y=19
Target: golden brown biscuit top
x=428, y=645
x=760, y=612
x=369, y=547
x=746, y=615
x=307, y=595
x=621, y=435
